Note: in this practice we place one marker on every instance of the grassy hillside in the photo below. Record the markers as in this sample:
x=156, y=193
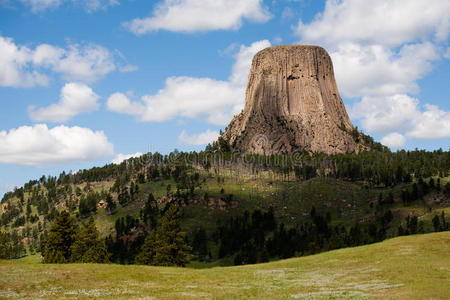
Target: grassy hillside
x=356, y=199
x=412, y=267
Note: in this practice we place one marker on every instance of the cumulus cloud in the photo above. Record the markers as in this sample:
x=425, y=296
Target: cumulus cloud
x=85, y=63
x=120, y=103
x=386, y=114
x=22, y=66
x=432, y=124
x=181, y=97
x=377, y=70
x=198, y=139
x=15, y=61
x=38, y=145
x=394, y=140
x=401, y=113
x=121, y=157
x=192, y=97
x=75, y=98
x=382, y=22
x=200, y=15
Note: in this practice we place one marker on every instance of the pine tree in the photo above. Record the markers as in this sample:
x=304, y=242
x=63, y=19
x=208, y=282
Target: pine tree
x=145, y=257
x=199, y=243
x=436, y=223
x=88, y=247
x=57, y=248
x=110, y=204
x=166, y=246
x=150, y=211
x=11, y=246
x=444, y=224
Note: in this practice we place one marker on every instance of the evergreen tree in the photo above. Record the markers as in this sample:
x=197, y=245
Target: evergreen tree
x=412, y=223
x=150, y=211
x=11, y=246
x=57, y=248
x=88, y=247
x=147, y=254
x=444, y=224
x=166, y=246
x=4, y=246
x=436, y=223
x=110, y=204
x=199, y=243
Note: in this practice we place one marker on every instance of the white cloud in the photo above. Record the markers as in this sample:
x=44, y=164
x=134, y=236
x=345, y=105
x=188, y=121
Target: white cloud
x=432, y=124
x=38, y=145
x=75, y=98
x=191, y=97
x=377, y=70
x=198, y=139
x=386, y=114
x=383, y=22
x=401, y=113
x=181, y=97
x=121, y=157
x=394, y=140
x=15, y=61
x=85, y=63
x=22, y=66
x=200, y=15
x=120, y=103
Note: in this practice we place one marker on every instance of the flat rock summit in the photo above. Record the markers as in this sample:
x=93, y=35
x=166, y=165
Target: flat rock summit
x=292, y=103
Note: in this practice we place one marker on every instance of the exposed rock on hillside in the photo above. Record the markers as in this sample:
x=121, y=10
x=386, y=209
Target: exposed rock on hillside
x=292, y=103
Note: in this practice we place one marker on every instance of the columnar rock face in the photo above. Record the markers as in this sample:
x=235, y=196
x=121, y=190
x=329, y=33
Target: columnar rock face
x=292, y=103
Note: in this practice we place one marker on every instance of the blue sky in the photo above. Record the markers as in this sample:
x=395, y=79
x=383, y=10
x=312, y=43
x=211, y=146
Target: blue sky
x=84, y=83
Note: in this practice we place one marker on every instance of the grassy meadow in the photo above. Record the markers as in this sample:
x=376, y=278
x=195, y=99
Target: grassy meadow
x=411, y=267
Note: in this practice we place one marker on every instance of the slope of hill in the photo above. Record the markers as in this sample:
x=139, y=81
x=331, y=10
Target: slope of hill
x=413, y=267
x=323, y=202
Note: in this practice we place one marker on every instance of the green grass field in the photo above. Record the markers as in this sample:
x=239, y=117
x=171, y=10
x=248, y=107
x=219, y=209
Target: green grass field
x=412, y=267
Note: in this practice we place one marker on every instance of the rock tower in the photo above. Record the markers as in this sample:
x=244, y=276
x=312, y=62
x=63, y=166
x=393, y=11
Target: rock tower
x=292, y=103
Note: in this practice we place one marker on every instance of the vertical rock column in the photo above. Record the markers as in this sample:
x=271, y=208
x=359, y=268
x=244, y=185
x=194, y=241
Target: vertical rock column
x=292, y=103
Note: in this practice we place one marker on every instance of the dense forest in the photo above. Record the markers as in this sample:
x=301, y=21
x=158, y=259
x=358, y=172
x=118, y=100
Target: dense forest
x=155, y=209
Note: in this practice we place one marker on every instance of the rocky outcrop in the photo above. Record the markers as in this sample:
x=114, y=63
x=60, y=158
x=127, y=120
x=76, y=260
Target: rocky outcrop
x=292, y=103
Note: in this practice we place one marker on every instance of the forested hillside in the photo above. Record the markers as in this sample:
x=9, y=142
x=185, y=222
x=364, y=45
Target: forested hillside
x=221, y=208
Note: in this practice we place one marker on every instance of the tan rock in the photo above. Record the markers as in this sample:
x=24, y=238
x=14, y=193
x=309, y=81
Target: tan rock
x=102, y=204
x=292, y=103
x=4, y=207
